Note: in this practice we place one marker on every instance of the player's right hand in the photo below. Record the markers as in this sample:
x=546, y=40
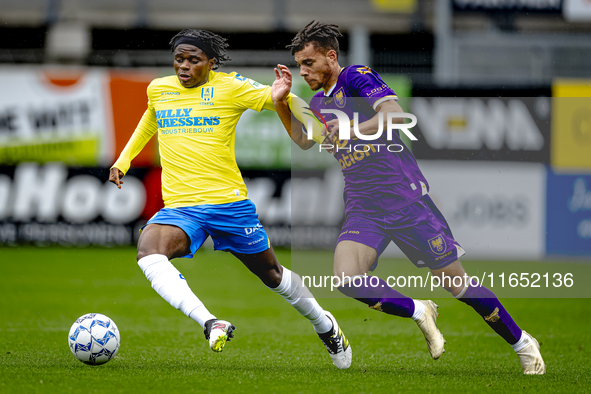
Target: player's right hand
x=115, y=177
x=330, y=134
x=333, y=127
x=282, y=85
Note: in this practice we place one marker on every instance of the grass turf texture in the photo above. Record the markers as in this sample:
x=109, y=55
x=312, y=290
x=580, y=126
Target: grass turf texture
x=45, y=289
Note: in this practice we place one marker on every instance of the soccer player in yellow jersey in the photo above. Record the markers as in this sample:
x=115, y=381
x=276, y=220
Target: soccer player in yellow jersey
x=195, y=113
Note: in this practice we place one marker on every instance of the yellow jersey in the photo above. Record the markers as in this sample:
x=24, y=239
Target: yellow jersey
x=196, y=128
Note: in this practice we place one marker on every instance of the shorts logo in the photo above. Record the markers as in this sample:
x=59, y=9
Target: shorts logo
x=256, y=242
x=339, y=97
x=251, y=230
x=437, y=244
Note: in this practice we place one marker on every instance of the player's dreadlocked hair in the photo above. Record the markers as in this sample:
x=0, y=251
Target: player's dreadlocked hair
x=322, y=35
x=216, y=43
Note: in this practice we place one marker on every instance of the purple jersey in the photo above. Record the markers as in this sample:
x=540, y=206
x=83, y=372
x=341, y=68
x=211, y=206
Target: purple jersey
x=377, y=180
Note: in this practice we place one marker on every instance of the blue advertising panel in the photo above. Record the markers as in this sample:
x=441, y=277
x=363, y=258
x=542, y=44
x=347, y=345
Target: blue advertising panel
x=568, y=214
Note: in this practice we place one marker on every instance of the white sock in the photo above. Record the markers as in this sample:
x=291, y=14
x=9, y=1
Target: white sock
x=523, y=342
x=172, y=286
x=419, y=310
x=298, y=296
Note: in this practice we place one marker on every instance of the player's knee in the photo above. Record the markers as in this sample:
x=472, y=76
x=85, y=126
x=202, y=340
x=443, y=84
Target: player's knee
x=271, y=278
x=458, y=287
x=451, y=290
x=144, y=252
x=453, y=284
x=265, y=266
x=342, y=271
x=338, y=272
x=143, y=249
x=141, y=254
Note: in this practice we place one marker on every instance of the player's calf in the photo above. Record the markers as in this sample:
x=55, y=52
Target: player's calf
x=297, y=295
x=487, y=305
x=383, y=298
x=376, y=293
x=171, y=285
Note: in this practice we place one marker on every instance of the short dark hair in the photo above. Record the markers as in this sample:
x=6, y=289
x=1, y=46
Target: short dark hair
x=217, y=43
x=322, y=35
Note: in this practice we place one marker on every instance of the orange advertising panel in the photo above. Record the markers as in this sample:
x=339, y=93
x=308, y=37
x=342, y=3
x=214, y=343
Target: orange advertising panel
x=129, y=102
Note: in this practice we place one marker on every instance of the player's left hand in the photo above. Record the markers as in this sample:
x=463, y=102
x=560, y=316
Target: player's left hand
x=282, y=85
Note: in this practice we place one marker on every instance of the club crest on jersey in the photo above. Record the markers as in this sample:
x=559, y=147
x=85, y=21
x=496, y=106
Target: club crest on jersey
x=437, y=244
x=339, y=98
x=207, y=93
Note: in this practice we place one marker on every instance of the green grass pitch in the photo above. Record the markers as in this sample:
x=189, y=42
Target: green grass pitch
x=275, y=350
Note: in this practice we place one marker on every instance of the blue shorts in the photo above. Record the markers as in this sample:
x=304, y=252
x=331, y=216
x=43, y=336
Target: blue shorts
x=233, y=227
x=419, y=230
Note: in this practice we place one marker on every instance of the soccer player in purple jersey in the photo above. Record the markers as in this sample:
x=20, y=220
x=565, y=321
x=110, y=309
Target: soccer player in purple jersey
x=386, y=197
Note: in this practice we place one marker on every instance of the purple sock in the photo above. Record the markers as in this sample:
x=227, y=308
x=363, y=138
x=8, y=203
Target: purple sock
x=490, y=308
x=376, y=293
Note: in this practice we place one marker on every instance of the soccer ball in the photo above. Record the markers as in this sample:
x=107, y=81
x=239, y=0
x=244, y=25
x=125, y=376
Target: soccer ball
x=94, y=339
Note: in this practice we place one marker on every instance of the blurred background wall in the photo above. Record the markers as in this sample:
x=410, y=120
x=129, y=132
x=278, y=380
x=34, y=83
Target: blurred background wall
x=500, y=88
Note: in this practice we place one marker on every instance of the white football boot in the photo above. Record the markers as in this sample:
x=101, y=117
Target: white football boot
x=337, y=345
x=428, y=325
x=218, y=332
x=530, y=357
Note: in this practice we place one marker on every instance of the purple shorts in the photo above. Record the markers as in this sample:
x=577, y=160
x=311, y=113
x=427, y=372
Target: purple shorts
x=419, y=230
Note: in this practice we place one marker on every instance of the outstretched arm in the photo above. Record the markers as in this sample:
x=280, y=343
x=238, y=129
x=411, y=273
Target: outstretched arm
x=280, y=94
x=145, y=129
x=370, y=126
